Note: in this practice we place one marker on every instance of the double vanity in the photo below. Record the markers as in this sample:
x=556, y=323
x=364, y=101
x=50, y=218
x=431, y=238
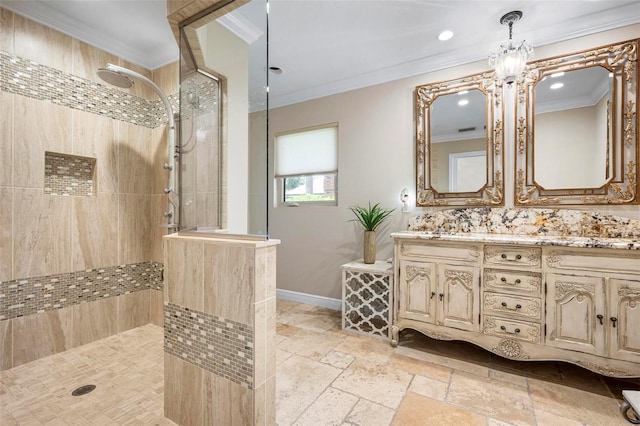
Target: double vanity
x=526, y=284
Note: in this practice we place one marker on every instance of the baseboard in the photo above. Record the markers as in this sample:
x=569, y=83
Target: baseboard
x=309, y=299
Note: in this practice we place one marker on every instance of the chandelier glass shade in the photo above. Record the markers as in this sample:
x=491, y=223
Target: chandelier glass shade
x=511, y=58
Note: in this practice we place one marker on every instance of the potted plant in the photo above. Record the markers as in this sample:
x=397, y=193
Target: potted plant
x=370, y=218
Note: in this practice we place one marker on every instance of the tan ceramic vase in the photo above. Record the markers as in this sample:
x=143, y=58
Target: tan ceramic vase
x=369, y=247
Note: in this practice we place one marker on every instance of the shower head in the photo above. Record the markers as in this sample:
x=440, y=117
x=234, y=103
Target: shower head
x=115, y=78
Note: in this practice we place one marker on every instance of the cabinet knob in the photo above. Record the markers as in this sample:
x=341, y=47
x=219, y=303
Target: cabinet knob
x=433, y=293
x=441, y=296
x=614, y=320
x=513, y=259
x=600, y=317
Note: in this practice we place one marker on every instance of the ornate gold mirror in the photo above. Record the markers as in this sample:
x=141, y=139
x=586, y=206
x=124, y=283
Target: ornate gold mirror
x=576, y=130
x=459, y=142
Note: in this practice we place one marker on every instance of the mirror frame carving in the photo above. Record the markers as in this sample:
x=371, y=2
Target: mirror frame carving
x=492, y=192
x=620, y=188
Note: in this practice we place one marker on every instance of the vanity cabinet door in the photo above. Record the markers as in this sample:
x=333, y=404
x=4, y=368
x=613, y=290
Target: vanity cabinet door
x=575, y=308
x=459, y=297
x=417, y=291
x=624, y=319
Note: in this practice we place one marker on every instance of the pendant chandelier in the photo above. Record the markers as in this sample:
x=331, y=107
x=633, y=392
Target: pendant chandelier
x=511, y=58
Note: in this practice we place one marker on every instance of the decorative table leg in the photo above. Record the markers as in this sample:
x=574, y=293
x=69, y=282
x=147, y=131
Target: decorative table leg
x=395, y=334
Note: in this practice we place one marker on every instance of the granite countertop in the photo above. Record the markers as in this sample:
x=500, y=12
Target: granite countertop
x=540, y=240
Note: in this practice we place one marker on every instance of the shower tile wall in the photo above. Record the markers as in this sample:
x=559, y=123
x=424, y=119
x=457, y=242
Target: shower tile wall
x=43, y=235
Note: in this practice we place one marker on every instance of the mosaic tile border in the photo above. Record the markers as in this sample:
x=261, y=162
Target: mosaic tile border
x=218, y=345
x=39, y=294
x=68, y=174
x=31, y=79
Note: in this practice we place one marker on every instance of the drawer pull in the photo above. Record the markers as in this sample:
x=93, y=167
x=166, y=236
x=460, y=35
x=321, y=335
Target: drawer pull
x=518, y=306
x=433, y=293
x=516, y=282
x=503, y=328
x=600, y=317
x=441, y=296
x=614, y=320
x=513, y=259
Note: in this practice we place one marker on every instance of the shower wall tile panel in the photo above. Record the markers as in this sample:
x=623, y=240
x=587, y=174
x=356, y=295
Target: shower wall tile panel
x=34, y=80
x=6, y=138
x=29, y=296
x=218, y=345
x=68, y=175
x=42, y=44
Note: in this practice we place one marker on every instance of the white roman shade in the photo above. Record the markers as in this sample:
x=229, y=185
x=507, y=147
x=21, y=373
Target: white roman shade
x=307, y=152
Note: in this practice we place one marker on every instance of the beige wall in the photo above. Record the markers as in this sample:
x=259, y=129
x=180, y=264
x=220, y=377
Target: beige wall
x=376, y=160
x=43, y=234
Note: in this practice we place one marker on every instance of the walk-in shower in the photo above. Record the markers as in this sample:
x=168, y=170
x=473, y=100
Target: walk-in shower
x=122, y=77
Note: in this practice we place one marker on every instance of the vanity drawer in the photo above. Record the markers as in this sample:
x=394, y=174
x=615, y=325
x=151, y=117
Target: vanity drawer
x=512, y=329
x=505, y=280
x=616, y=261
x=521, y=306
x=435, y=251
x=512, y=256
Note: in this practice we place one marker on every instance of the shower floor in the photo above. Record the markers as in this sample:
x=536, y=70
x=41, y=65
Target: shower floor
x=325, y=377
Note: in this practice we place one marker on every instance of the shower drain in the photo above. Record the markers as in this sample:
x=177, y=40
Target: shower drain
x=83, y=390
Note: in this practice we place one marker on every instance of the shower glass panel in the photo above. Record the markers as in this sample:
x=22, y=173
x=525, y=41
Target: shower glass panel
x=223, y=119
x=200, y=152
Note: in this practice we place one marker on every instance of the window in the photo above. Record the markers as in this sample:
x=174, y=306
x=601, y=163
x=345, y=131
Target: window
x=306, y=168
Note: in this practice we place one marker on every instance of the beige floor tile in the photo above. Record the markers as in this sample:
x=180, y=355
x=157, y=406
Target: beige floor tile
x=311, y=344
x=282, y=356
x=335, y=382
x=509, y=377
x=545, y=418
x=338, y=359
x=416, y=410
x=443, y=361
x=499, y=400
x=316, y=320
x=581, y=405
x=367, y=413
x=299, y=382
x=430, y=388
x=285, y=305
x=330, y=408
x=422, y=368
x=366, y=348
x=378, y=383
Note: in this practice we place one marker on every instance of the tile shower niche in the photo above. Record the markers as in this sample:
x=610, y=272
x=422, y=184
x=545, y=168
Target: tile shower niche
x=69, y=175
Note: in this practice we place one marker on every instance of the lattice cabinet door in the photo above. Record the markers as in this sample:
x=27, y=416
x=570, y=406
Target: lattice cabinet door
x=367, y=290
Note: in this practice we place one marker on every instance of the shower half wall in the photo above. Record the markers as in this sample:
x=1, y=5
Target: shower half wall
x=76, y=268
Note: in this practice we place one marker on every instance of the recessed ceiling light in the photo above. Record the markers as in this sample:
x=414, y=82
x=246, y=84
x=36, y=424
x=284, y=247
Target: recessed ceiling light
x=275, y=70
x=445, y=35
x=463, y=102
x=557, y=74
x=464, y=92
x=555, y=86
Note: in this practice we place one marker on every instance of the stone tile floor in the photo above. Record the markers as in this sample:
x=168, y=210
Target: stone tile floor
x=325, y=377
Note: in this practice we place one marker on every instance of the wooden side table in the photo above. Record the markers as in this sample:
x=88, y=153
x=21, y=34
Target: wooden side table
x=367, y=291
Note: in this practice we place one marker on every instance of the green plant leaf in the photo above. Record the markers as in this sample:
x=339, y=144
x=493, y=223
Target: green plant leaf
x=370, y=218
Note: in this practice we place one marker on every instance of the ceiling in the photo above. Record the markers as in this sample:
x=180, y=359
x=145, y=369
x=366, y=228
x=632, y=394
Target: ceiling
x=331, y=46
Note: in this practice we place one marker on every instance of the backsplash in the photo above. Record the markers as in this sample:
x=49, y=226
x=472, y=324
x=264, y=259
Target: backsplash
x=527, y=221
